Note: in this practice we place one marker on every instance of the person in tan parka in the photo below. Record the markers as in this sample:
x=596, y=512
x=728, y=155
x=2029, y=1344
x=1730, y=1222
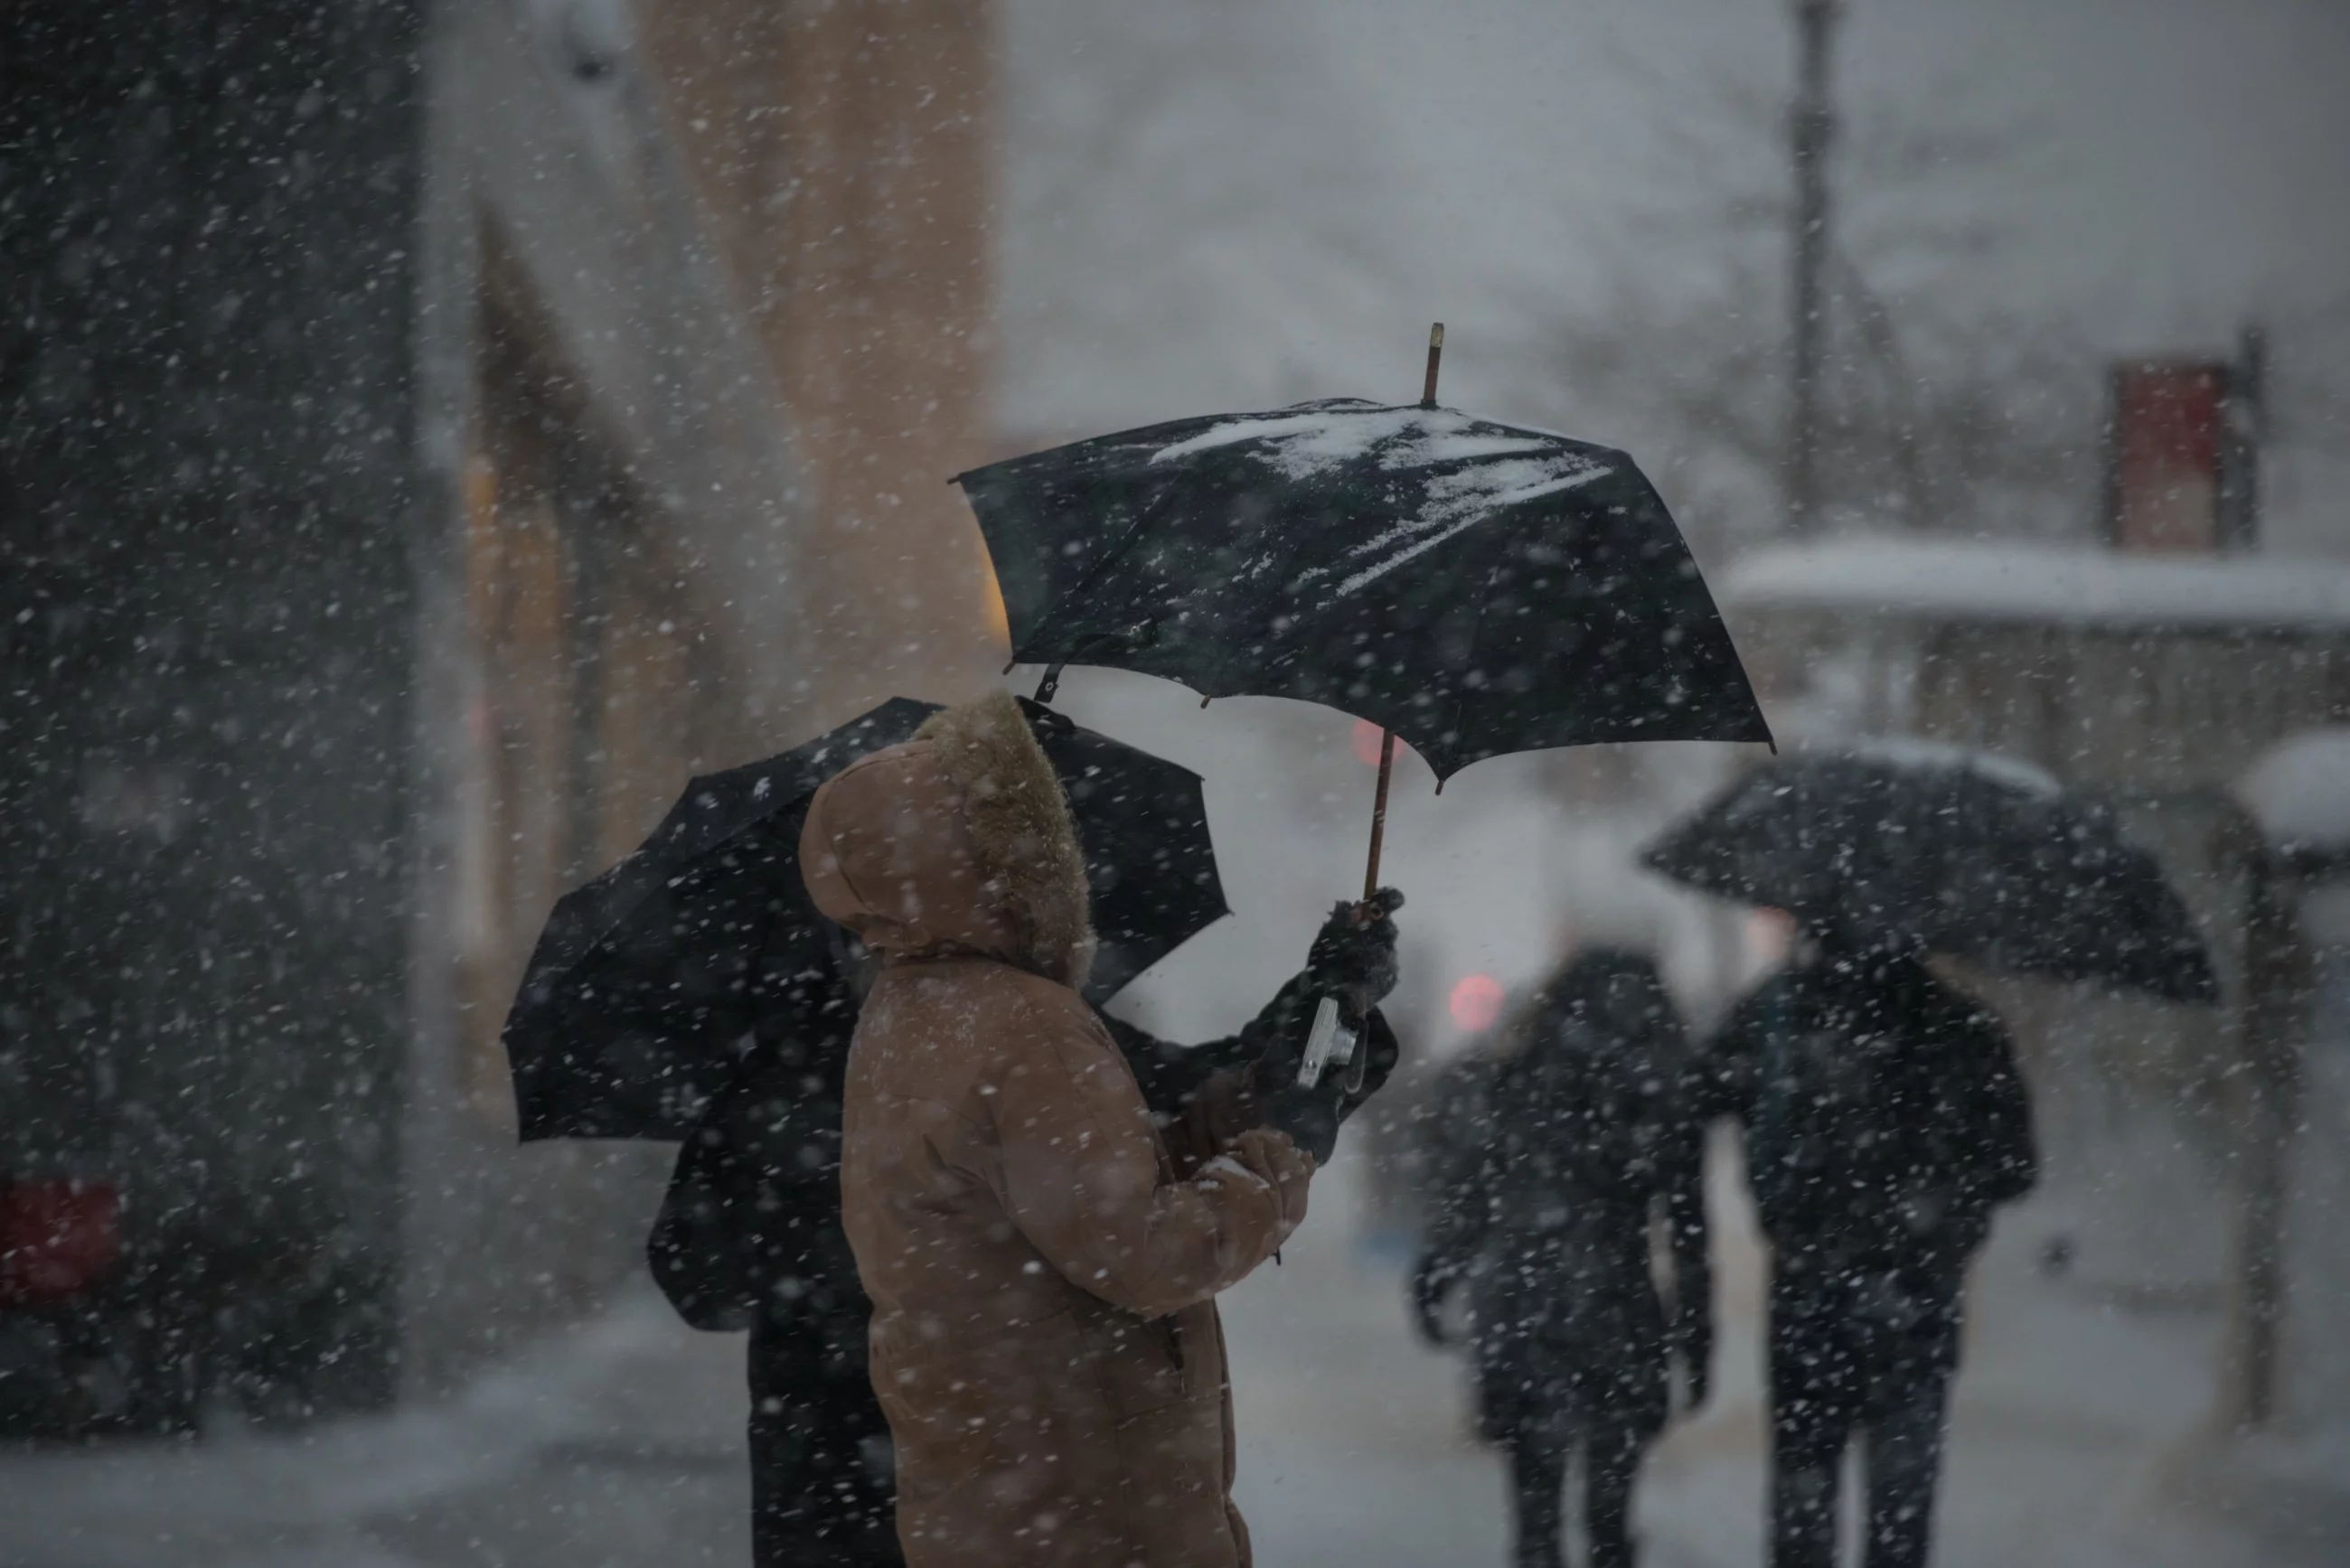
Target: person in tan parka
x=1043, y=1257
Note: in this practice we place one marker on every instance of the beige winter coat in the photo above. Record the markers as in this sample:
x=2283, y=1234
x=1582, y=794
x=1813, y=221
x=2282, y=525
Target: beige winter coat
x=1041, y=1259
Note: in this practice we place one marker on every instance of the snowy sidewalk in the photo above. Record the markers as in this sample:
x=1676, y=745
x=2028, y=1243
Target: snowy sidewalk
x=2075, y=1435
x=2076, y=1444
x=614, y=1446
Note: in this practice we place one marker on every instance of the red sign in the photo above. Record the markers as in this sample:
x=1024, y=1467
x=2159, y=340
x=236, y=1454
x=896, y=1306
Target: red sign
x=2170, y=434
x=57, y=1240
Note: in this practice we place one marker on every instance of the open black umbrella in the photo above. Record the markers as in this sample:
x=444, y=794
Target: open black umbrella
x=1943, y=850
x=647, y=979
x=1475, y=588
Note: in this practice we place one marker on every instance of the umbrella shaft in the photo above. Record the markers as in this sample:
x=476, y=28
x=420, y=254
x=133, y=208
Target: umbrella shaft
x=1386, y=737
x=1379, y=814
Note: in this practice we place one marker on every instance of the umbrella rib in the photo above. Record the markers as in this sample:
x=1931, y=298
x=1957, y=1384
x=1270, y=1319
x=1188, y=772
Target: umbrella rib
x=1476, y=641
x=1109, y=555
x=1255, y=580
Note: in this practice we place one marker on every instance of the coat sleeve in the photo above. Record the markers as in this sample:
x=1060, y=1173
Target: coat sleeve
x=1996, y=1108
x=1463, y=1177
x=1690, y=1242
x=1075, y=1164
x=1201, y=1098
x=1171, y=1075
x=1204, y=1096
x=1696, y=1100
x=700, y=1250
x=1728, y=1069
x=1222, y=1107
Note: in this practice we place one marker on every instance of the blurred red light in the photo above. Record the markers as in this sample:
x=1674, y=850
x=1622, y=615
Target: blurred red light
x=1770, y=936
x=1365, y=744
x=1477, y=1001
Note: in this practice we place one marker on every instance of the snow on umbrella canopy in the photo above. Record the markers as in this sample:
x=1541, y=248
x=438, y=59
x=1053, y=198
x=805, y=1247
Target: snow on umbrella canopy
x=646, y=980
x=1935, y=849
x=1478, y=588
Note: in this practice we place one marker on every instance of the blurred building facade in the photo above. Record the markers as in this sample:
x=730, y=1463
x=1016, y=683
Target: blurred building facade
x=432, y=433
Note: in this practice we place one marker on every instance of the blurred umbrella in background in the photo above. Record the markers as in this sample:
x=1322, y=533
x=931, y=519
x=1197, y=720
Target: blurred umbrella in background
x=648, y=981
x=1943, y=850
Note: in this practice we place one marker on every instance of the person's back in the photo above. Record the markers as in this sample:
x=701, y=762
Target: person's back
x=1888, y=1122
x=1889, y=1117
x=1562, y=1276
x=1549, y=1221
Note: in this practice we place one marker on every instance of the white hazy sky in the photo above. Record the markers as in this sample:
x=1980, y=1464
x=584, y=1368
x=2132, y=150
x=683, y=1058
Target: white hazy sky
x=1216, y=205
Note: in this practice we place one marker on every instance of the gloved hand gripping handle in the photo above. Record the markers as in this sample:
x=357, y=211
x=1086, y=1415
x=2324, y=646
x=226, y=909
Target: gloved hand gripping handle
x=1351, y=966
x=1353, y=958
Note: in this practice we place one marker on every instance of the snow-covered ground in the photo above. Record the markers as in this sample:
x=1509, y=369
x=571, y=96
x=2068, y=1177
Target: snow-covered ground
x=2077, y=1442
x=618, y=1444
x=2078, y=1438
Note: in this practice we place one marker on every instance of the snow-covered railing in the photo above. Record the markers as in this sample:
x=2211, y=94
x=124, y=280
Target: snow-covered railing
x=2018, y=581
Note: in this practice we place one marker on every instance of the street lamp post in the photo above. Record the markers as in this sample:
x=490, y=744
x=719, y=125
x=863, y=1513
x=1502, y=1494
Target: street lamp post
x=1811, y=129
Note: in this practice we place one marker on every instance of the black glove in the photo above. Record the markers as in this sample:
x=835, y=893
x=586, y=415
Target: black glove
x=1308, y=1118
x=1354, y=960
x=1314, y=1116
x=1354, y=953
x=1379, y=1051
x=1429, y=1281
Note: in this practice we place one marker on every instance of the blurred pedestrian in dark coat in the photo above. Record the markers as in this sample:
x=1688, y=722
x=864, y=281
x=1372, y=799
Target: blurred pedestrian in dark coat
x=1888, y=1121
x=1590, y=1137
x=750, y=1234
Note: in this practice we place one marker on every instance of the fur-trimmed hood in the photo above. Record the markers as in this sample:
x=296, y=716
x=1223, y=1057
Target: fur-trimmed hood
x=960, y=840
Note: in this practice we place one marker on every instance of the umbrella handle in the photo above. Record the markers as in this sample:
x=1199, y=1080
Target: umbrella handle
x=1378, y=817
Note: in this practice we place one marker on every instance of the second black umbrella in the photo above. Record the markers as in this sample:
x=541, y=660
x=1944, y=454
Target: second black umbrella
x=647, y=980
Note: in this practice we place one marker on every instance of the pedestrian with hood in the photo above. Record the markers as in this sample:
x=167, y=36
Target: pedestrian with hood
x=1042, y=1252
x=1550, y=1221
x=750, y=1232
x=1888, y=1122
